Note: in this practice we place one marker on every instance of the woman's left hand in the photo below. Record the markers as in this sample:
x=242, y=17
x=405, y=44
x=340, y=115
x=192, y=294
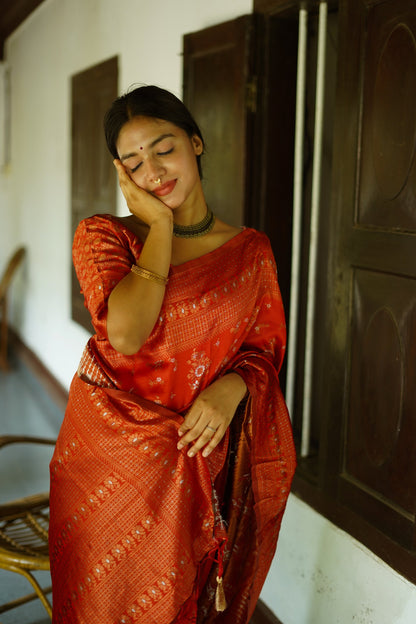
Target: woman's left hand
x=210, y=415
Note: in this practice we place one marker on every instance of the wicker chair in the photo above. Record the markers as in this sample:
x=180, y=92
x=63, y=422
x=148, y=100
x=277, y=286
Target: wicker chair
x=5, y=281
x=24, y=535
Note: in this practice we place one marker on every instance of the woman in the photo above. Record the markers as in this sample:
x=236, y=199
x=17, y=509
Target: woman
x=175, y=457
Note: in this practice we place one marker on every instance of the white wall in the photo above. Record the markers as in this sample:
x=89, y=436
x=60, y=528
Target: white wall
x=321, y=575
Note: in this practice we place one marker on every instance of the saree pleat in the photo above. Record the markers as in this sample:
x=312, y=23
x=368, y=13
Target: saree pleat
x=130, y=496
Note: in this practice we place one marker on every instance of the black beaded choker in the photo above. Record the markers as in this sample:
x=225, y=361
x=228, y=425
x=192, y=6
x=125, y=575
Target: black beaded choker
x=196, y=229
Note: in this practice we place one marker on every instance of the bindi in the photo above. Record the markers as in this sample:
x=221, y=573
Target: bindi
x=141, y=147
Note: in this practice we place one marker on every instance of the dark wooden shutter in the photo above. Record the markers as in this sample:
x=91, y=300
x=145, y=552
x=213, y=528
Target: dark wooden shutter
x=372, y=346
x=93, y=177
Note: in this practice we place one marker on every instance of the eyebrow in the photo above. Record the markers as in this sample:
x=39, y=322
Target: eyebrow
x=152, y=144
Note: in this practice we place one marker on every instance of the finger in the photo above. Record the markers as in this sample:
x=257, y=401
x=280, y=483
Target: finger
x=131, y=191
x=207, y=439
x=123, y=178
x=190, y=433
x=215, y=440
x=190, y=421
x=120, y=169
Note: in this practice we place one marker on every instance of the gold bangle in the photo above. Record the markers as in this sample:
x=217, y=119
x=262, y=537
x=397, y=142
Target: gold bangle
x=153, y=277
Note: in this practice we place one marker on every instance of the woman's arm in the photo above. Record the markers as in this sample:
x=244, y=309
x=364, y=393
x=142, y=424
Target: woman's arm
x=134, y=304
x=211, y=414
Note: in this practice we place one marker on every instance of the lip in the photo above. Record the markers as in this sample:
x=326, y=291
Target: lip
x=165, y=189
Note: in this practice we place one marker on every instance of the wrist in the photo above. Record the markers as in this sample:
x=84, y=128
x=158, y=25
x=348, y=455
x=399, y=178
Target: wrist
x=163, y=222
x=239, y=385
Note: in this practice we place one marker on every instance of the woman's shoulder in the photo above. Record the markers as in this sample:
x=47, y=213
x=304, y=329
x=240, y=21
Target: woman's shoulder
x=106, y=225
x=253, y=240
x=247, y=246
x=100, y=221
x=105, y=233
x=247, y=235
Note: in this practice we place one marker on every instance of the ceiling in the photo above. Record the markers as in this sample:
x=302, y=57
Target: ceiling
x=12, y=14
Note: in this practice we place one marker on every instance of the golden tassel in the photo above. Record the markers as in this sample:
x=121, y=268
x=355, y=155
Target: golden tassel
x=220, y=601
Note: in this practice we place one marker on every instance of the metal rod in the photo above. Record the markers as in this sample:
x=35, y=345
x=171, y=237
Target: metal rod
x=313, y=244
x=297, y=208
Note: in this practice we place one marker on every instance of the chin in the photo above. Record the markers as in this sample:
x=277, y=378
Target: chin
x=171, y=203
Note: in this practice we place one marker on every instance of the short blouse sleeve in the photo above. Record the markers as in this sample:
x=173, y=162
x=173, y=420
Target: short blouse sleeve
x=102, y=254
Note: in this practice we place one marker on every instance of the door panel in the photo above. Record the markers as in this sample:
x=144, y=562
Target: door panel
x=387, y=192
x=381, y=427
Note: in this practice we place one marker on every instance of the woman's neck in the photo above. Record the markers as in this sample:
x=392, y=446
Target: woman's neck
x=193, y=210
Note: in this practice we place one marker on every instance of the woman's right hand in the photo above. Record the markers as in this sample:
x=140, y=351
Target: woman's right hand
x=143, y=205
x=134, y=303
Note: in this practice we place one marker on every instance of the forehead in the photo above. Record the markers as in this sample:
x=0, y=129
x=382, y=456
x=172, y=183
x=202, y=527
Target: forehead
x=145, y=130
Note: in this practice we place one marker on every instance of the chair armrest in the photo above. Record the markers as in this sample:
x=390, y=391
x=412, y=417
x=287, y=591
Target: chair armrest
x=15, y=439
x=33, y=503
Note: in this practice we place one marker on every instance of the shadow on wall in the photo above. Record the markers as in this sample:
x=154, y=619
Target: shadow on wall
x=6, y=280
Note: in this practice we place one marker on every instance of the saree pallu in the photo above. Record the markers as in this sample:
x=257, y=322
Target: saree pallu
x=138, y=527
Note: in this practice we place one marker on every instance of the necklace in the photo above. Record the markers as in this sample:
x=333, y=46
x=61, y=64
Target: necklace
x=196, y=229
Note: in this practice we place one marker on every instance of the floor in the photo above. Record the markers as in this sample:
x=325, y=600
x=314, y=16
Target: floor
x=25, y=408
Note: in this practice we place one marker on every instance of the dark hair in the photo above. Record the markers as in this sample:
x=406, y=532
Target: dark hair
x=148, y=101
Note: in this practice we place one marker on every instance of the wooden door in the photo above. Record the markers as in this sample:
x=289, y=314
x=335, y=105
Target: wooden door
x=220, y=89
x=93, y=177
x=371, y=350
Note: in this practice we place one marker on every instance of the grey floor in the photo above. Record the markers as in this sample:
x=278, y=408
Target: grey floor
x=24, y=409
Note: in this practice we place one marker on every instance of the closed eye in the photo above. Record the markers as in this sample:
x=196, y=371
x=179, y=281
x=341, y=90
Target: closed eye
x=135, y=168
x=169, y=151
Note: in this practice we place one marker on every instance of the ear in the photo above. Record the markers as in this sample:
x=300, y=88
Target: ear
x=197, y=144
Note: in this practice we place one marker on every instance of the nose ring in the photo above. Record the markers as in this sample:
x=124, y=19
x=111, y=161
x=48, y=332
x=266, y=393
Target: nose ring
x=157, y=181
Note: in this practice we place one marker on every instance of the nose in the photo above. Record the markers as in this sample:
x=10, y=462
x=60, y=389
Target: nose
x=153, y=170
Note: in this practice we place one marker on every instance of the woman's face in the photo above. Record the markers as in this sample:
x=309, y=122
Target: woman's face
x=161, y=159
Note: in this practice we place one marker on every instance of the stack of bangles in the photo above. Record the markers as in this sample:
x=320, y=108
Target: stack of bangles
x=153, y=277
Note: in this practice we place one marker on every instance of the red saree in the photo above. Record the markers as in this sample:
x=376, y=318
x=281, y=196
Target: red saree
x=138, y=529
